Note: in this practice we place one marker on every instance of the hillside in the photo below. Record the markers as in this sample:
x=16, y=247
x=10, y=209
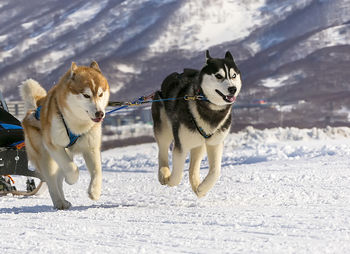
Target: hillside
x=293, y=53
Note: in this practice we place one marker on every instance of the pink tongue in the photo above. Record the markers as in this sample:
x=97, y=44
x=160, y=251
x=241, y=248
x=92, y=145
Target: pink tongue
x=230, y=98
x=97, y=120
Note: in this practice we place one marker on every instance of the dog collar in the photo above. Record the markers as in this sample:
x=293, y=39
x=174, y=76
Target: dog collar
x=200, y=130
x=72, y=137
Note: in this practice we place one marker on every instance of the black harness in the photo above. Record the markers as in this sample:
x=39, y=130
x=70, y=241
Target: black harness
x=200, y=129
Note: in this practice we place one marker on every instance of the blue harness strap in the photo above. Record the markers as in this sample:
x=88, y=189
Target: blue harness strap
x=72, y=137
x=149, y=99
x=37, y=113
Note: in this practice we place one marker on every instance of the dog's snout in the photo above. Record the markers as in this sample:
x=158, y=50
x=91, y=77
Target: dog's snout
x=99, y=114
x=232, y=89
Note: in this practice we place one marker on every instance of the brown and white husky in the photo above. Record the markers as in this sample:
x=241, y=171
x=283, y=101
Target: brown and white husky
x=62, y=122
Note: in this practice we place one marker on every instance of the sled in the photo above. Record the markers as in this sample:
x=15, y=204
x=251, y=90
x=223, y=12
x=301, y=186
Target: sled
x=11, y=189
x=13, y=157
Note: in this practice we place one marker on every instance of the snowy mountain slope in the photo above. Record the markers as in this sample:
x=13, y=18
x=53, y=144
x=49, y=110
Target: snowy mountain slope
x=199, y=25
x=280, y=191
x=138, y=43
x=288, y=23
x=94, y=29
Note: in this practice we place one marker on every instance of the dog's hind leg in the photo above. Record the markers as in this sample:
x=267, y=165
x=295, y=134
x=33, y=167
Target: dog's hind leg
x=214, y=158
x=93, y=163
x=164, y=137
x=163, y=161
x=195, y=163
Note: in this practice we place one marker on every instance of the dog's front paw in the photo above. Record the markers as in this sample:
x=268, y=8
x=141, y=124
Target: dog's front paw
x=194, y=187
x=62, y=205
x=174, y=180
x=72, y=175
x=94, y=191
x=200, y=192
x=164, y=175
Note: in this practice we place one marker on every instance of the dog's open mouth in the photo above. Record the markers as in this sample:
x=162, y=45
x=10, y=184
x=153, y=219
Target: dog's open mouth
x=228, y=98
x=97, y=119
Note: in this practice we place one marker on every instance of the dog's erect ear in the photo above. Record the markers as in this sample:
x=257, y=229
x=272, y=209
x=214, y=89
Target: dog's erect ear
x=73, y=69
x=228, y=56
x=207, y=55
x=95, y=66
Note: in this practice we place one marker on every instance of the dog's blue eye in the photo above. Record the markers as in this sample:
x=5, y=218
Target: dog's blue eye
x=219, y=76
x=86, y=96
x=234, y=76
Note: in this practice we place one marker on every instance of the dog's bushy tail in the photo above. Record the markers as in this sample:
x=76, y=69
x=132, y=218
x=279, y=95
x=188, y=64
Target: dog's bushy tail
x=31, y=92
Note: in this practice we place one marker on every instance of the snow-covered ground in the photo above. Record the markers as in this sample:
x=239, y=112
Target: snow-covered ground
x=281, y=191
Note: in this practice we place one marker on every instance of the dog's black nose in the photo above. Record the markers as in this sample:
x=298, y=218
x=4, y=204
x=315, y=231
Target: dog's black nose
x=99, y=114
x=232, y=89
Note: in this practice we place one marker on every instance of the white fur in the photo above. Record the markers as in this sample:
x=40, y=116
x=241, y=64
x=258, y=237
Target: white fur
x=194, y=144
x=101, y=101
x=204, y=124
x=211, y=83
x=79, y=113
x=85, y=108
x=237, y=82
x=54, y=161
x=30, y=89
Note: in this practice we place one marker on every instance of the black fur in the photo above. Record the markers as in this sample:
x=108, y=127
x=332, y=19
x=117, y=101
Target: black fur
x=188, y=83
x=214, y=64
x=175, y=86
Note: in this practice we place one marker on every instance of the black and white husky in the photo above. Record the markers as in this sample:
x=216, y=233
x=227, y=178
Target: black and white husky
x=195, y=125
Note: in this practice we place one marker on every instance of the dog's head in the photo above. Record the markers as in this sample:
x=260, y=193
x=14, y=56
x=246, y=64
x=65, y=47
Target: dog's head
x=88, y=92
x=220, y=79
